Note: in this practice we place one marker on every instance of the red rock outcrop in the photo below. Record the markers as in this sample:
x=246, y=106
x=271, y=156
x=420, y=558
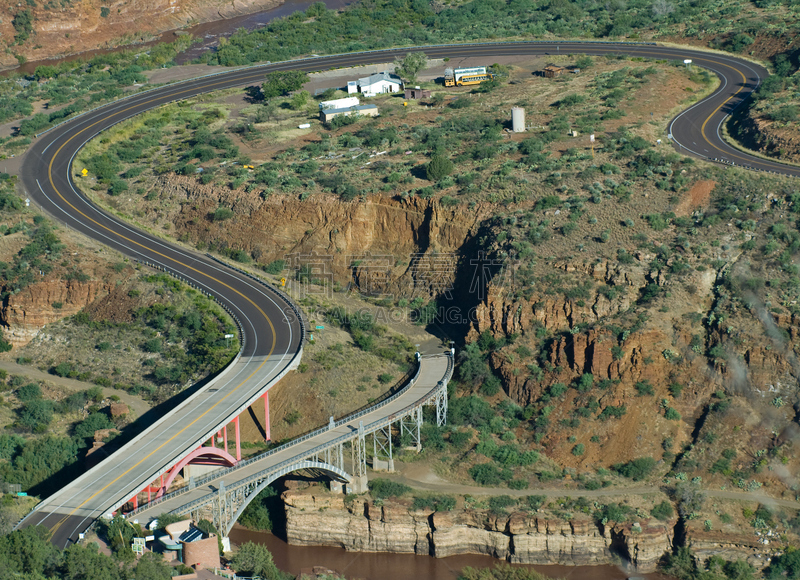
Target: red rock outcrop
x=81, y=25
x=24, y=313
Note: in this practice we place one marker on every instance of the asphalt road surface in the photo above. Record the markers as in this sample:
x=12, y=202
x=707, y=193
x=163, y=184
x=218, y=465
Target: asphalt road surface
x=270, y=329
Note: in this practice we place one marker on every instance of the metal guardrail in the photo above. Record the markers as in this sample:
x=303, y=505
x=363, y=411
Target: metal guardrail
x=217, y=474
x=284, y=296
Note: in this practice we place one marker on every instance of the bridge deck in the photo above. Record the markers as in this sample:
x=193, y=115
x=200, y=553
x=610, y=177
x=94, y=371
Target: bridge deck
x=432, y=370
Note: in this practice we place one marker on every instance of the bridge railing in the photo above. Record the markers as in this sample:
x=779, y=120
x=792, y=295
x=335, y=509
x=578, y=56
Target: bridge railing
x=288, y=465
x=220, y=473
x=295, y=358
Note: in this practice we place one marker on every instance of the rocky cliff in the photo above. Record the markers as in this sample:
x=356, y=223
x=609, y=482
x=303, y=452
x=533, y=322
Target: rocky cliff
x=68, y=27
x=404, y=247
x=776, y=139
x=317, y=518
x=23, y=314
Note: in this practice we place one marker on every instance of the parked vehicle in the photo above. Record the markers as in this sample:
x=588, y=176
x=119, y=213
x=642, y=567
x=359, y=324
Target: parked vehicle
x=466, y=76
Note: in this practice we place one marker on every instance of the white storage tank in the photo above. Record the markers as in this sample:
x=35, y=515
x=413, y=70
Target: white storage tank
x=518, y=119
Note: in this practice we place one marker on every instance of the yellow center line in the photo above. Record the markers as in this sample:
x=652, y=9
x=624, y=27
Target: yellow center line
x=133, y=242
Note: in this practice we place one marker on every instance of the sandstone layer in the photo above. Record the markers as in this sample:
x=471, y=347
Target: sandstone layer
x=24, y=313
x=316, y=518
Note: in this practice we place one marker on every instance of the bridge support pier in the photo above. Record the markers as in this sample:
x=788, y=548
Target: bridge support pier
x=358, y=450
x=238, y=440
x=382, y=446
x=410, y=425
x=265, y=396
x=441, y=406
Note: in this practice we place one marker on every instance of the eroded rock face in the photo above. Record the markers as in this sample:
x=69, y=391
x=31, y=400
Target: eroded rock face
x=23, y=314
x=382, y=245
x=81, y=25
x=316, y=518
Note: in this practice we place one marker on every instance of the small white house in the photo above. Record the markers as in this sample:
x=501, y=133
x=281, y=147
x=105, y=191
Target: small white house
x=352, y=87
x=379, y=83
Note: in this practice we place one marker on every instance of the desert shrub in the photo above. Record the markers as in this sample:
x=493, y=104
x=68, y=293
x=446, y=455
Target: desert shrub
x=485, y=474
x=662, y=511
x=384, y=488
x=636, y=469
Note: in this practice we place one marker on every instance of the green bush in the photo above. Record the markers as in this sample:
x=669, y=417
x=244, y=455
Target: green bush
x=485, y=474
x=384, y=488
x=637, y=469
x=222, y=214
x=438, y=168
x=498, y=503
x=644, y=388
x=62, y=369
x=29, y=392
x=662, y=511
x=536, y=501
x=275, y=267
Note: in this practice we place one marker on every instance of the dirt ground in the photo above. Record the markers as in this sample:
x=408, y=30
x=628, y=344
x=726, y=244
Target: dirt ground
x=136, y=404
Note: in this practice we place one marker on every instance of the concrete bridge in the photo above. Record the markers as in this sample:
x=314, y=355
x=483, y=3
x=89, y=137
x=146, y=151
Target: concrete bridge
x=222, y=495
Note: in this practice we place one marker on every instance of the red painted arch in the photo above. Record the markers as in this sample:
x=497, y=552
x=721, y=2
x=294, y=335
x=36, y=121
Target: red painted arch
x=211, y=455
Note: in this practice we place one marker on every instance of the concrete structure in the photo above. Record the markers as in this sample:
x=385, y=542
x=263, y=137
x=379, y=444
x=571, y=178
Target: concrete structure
x=417, y=93
x=380, y=83
x=222, y=496
x=327, y=115
x=518, y=119
x=200, y=551
x=339, y=103
x=352, y=87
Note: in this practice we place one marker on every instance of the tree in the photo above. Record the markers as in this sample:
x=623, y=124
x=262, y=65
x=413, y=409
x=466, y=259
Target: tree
x=636, y=469
x=299, y=100
x=152, y=567
x=5, y=346
x=27, y=551
x=36, y=415
x=87, y=563
x=255, y=560
x=94, y=422
x=473, y=369
x=409, y=66
x=438, y=168
x=281, y=83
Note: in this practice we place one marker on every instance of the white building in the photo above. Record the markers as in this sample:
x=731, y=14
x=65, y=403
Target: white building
x=339, y=103
x=352, y=87
x=379, y=83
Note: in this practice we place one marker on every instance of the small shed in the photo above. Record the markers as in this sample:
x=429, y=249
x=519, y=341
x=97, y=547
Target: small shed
x=327, y=115
x=417, y=93
x=552, y=70
x=352, y=87
x=379, y=83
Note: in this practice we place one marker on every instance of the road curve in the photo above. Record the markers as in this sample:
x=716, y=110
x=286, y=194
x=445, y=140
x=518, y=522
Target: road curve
x=270, y=329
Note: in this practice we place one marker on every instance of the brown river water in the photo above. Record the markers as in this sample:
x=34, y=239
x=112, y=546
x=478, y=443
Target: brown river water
x=383, y=566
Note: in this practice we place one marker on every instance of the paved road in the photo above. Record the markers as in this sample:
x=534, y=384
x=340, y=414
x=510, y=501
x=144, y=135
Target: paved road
x=433, y=368
x=270, y=330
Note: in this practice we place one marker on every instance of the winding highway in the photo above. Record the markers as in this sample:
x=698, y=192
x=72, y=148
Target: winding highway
x=271, y=329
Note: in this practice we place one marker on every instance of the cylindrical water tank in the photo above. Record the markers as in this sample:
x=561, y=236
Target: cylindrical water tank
x=518, y=119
